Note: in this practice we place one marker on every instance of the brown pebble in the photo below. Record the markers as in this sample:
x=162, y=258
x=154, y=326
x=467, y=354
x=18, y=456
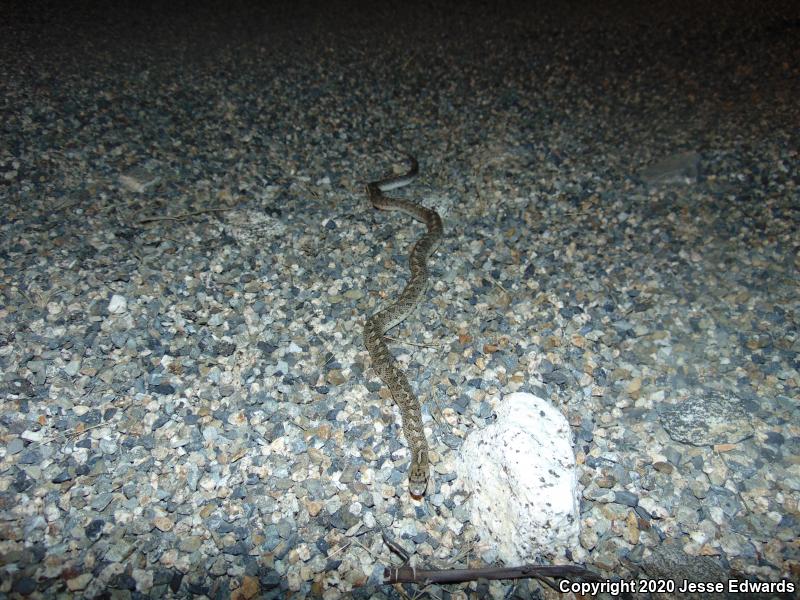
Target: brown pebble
x=605, y=481
x=663, y=467
x=313, y=507
x=163, y=523
x=249, y=589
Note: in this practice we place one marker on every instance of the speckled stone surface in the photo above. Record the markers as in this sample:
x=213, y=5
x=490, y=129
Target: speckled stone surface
x=187, y=255
x=707, y=420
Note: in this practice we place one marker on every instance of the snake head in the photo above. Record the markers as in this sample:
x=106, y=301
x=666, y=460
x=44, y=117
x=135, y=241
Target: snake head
x=417, y=480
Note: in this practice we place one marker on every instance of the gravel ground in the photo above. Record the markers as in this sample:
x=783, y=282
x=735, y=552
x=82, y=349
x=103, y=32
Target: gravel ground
x=187, y=256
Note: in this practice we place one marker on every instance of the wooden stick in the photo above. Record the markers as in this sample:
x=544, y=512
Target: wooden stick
x=427, y=576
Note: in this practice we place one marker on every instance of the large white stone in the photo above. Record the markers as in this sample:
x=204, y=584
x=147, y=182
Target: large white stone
x=521, y=473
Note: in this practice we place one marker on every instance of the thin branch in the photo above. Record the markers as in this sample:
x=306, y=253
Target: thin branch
x=180, y=216
x=483, y=273
x=394, y=546
x=340, y=549
x=428, y=576
x=464, y=551
x=410, y=343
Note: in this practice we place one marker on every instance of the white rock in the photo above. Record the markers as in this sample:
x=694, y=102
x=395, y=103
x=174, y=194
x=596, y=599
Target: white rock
x=117, y=305
x=521, y=473
x=369, y=520
x=32, y=436
x=656, y=510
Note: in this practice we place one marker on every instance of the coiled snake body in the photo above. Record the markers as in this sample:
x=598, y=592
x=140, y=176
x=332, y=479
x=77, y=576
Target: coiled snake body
x=378, y=324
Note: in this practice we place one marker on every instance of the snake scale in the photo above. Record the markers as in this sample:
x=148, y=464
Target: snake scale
x=382, y=321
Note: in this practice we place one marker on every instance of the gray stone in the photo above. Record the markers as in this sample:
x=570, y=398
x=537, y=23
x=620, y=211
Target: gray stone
x=681, y=168
x=670, y=562
x=707, y=420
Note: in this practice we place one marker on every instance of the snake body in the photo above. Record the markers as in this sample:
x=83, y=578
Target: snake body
x=382, y=321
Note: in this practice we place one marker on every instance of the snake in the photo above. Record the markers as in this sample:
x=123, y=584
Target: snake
x=376, y=325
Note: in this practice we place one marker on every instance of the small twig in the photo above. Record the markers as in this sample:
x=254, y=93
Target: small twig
x=362, y=546
x=308, y=190
x=340, y=549
x=438, y=408
x=727, y=466
x=73, y=433
x=489, y=277
x=465, y=551
x=180, y=216
x=66, y=205
x=28, y=298
x=408, y=62
x=428, y=576
x=410, y=343
x=395, y=547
